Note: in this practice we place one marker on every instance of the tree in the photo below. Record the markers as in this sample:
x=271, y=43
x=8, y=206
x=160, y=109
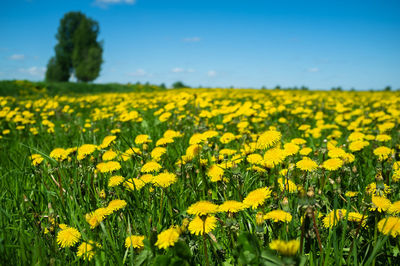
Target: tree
x=77, y=52
x=179, y=85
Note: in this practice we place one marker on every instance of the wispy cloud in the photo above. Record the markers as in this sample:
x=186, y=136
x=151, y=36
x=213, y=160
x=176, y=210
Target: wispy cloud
x=211, y=73
x=191, y=39
x=17, y=57
x=33, y=71
x=106, y=3
x=139, y=73
x=313, y=69
x=182, y=70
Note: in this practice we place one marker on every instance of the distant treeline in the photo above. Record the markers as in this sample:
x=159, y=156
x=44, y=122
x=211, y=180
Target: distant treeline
x=25, y=88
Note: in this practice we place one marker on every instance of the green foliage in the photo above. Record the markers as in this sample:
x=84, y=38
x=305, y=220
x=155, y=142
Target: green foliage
x=77, y=52
x=28, y=88
x=179, y=85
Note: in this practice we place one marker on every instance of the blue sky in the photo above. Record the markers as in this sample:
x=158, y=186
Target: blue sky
x=218, y=43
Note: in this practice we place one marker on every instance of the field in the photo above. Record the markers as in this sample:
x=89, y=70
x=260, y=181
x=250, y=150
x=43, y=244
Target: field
x=200, y=177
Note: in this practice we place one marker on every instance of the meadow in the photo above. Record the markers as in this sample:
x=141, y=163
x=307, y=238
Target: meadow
x=200, y=177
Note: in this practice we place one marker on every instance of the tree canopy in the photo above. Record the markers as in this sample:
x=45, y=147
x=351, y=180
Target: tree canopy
x=77, y=52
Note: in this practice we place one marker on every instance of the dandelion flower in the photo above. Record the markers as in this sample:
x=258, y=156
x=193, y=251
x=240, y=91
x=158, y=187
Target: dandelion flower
x=134, y=241
x=306, y=164
x=142, y=139
x=85, y=150
x=164, y=179
x=332, y=218
x=381, y=204
x=257, y=197
x=389, y=225
x=231, y=206
x=286, y=248
x=382, y=152
x=116, y=205
x=278, y=216
x=167, y=238
x=358, y=145
x=227, y=137
x=107, y=141
x=332, y=164
x=394, y=208
x=115, y=181
x=305, y=151
x=157, y=152
x=215, y=173
x=164, y=141
x=150, y=167
x=108, y=167
x=109, y=155
x=202, y=208
x=68, y=237
x=36, y=159
x=198, y=226
x=86, y=250
x=351, y=194
x=287, y=185
x=59, y=154
x=135, y=183
x=268, y=139
x=254, y=158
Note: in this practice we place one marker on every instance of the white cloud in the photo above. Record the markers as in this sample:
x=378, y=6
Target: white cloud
x=211, y=73
x=17, y=57
x=177, y=70
x=192, y=39
x=105, y=3
x=182, y=70
x=138, y=73
x=33, y=71
x=313, y=69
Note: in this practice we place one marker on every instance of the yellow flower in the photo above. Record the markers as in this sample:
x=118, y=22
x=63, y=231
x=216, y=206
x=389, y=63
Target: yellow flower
x=286, y=248
x=59, y=154
x=227, y=137
x=358, y=145
x=86, y=250
x=150, y=167
x=172, y=134
x=278, y=216
x=142, y=139
x=287, y=185
x=373, y=189
x=231, y=206
x=134, y=241
x=116, y=205
x=68, y=237
x=381, y=204
x=135, y=183
x=298, y=141
x=332, y=218
x=108, y=167
x=332, y=164
x=167, y=238
x=198, y=226
x=394, y=208
x=305, y=151
x=356, y=217
x=254, y=158
x=165, y=116
x=202, y=208
x=215, y=173
x=273, y=157
x=115, y=181
x=164, y=141
x=85, y=150
x=164, y=179
x=291, y=148
x=257, y=197
x=157, y=152
x=382, y=152
x=306, y=164
x=268, y=139
x=107, y=141
x=36, y=159
x=351, y=194
x=389, y=225
x=109, y=155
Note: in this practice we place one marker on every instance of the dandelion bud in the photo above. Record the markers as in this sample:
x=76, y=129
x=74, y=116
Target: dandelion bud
x=285, y=201
x=259, y=218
